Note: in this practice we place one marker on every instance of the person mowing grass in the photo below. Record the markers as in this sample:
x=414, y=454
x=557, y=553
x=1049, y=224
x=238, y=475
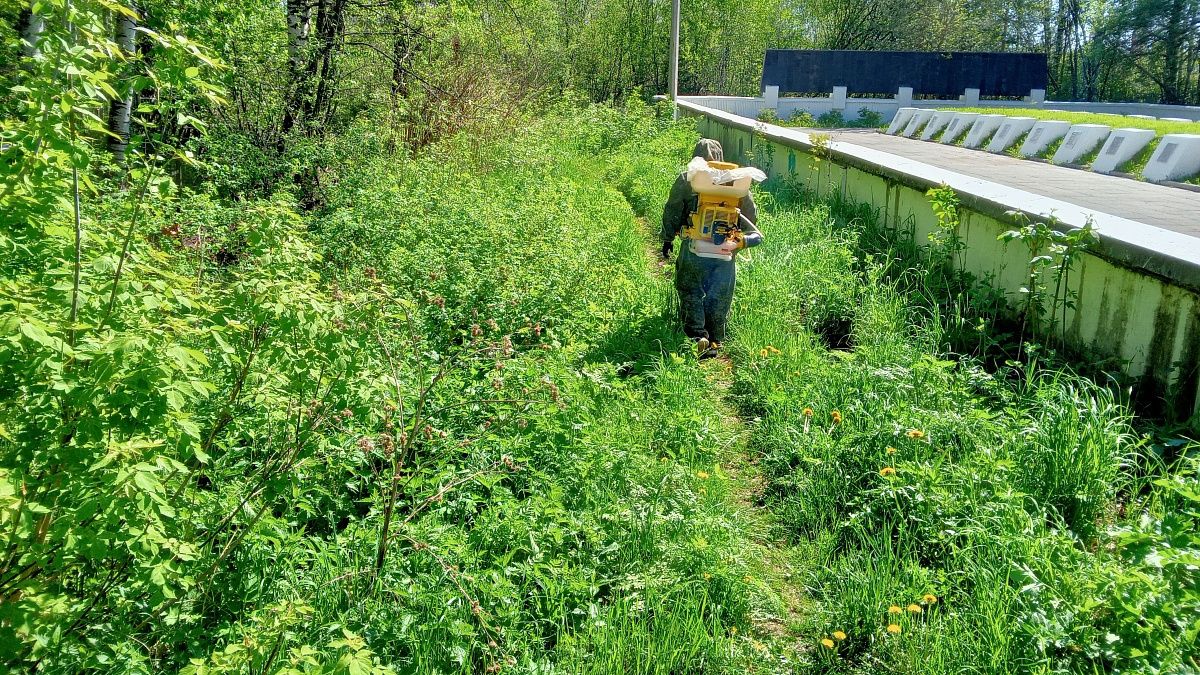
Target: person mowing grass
x=710, y=208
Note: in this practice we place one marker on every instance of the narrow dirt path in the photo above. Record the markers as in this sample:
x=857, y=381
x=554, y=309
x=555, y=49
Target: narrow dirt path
x=780, y=603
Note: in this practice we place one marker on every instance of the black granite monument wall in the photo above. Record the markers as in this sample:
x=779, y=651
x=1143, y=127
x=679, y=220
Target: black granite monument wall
x=941, y=74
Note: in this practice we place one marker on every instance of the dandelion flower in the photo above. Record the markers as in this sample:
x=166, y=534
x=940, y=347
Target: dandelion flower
x=893, y=628
x=702, y=474
x=887, y=471
x=703, y=491
x=827, y=642
x=808, y=412
x=746, y=578
x=914, y=608
x=772, y=349
x=916, y=433
x=837, y=417
x=929, y=599
x=707, y=575
x=891, y=450
x=663, y=459
x=839, y=635
x=763, y=353
x=733, y=630
x=895, y=609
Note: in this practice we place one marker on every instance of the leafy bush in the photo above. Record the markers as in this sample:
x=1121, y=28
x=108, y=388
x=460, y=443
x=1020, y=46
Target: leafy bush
x=420, y=429
x=801, y=118
x=869, y=119
x=831, y=119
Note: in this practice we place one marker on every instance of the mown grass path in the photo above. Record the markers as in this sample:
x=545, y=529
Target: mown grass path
x=779, y=602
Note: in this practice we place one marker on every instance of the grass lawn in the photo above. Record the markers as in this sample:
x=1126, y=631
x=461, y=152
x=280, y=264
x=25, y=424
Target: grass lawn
x=1115, y=121
x=1133, y=166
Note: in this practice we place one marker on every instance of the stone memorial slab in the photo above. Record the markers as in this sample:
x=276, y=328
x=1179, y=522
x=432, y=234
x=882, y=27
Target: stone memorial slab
x=936, y=123
x=1177, y=157
x=1042, y=135
x=1010, y=130
x=1079, y=141
x=982, y=130
x=958, y=126
x=1121, y=146
x=917, y=121
x=901, y=119
x=1177, y=119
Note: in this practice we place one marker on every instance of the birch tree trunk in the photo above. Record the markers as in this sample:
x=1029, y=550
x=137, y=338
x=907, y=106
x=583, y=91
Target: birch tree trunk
x=32, y=27
x=299, y=23
x=120, y=110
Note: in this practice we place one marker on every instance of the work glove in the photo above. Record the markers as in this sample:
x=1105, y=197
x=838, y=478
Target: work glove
x=668, y=247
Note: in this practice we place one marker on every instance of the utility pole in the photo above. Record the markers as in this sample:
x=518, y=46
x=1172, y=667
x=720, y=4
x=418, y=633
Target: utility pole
x=673, y=72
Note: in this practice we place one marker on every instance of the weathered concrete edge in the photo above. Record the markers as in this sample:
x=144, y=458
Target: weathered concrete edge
x=1172, y=256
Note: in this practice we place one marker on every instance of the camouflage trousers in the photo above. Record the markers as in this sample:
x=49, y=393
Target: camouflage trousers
x=705, y=288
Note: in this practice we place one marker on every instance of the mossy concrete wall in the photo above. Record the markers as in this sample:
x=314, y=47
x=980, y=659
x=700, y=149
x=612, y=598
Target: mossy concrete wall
x=1130, y=305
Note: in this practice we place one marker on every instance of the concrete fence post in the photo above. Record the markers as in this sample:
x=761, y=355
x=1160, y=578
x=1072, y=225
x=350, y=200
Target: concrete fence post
x=771, y=97
x=839, y=98
x=1037, y=96
x=971, y=95
x=904, y=97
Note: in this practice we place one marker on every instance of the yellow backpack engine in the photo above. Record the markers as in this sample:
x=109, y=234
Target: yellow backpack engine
x=716, y=216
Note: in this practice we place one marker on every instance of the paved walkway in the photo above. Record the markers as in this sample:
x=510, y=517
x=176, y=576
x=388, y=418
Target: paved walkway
x=1170, y=208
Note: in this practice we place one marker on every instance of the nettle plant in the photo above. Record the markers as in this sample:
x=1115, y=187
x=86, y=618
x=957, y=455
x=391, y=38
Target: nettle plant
x=1052, y=253
x=945, y=244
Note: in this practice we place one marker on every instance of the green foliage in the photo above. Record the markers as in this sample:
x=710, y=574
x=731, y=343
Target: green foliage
x=1160, y=127
x=868, y=119
x=1161, y=598
x=401, y=435
x=769, y=115
x=834, y=119
x=1053, y=251
x=393, y=389
x=989, y=510
x=801, y=118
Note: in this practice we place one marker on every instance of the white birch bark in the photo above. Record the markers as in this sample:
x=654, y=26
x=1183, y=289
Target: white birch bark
x=31, y=34
x=120, y=110
x=299, y=20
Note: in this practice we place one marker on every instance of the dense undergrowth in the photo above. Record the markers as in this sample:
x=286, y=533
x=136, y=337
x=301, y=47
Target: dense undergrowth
x=956, y=516
x=440, y=426
x=447, y=423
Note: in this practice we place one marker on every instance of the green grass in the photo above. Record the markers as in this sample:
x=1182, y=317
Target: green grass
x=1114, y=121
x=580, y=495
x=987, y=499
x=1133, y=166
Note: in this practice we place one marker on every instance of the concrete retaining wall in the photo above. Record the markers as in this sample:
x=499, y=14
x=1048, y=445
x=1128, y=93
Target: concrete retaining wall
x=1138, y=288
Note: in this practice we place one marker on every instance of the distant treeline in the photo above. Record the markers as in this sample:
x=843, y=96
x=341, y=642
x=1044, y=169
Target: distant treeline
x=305, y=67
x=1103, y=50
